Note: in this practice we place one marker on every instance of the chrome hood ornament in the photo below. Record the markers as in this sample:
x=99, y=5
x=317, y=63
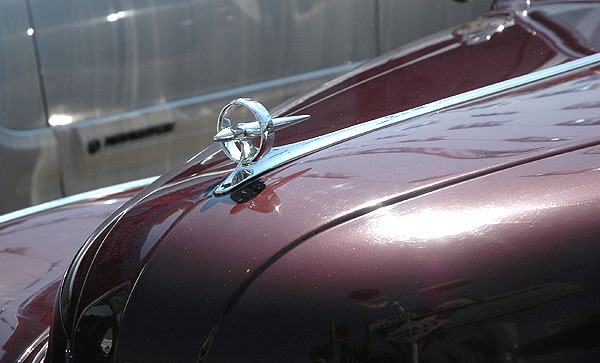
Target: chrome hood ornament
x=245, y=143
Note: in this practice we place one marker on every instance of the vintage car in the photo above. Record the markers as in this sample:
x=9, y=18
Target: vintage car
x=437, y=204
x=98, y=92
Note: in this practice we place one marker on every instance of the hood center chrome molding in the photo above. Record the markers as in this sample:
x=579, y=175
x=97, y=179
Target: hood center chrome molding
x=255, y=158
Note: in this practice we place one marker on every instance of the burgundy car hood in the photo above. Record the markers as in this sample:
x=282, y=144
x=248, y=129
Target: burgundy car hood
x=164, y=275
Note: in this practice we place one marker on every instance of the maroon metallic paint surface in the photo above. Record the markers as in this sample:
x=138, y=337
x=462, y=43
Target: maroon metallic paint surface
x=463, y=216
x=35, y=252
x=532, y=227
x=183, y=252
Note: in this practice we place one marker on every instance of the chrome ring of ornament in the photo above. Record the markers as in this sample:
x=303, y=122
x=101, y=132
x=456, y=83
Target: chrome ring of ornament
x=244, y=142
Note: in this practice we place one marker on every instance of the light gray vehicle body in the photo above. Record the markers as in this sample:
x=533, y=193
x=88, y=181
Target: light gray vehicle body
x=93, y=93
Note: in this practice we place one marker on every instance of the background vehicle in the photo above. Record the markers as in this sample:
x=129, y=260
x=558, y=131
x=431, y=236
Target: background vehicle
x=462, y=228
x=97, y=92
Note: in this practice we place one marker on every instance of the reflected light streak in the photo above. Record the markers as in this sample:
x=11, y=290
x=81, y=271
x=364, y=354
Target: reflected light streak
x=434, y=224
x=116, y=16
x=60, y=120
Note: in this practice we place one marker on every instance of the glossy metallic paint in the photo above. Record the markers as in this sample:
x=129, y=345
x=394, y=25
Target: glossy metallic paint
x=35, y=251
x=174, y=239
x=503, y=267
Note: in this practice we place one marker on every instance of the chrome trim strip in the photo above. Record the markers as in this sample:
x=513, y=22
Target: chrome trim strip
x=284, y=154
x=42, y=339
x=41, y=356
x=92, y=194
